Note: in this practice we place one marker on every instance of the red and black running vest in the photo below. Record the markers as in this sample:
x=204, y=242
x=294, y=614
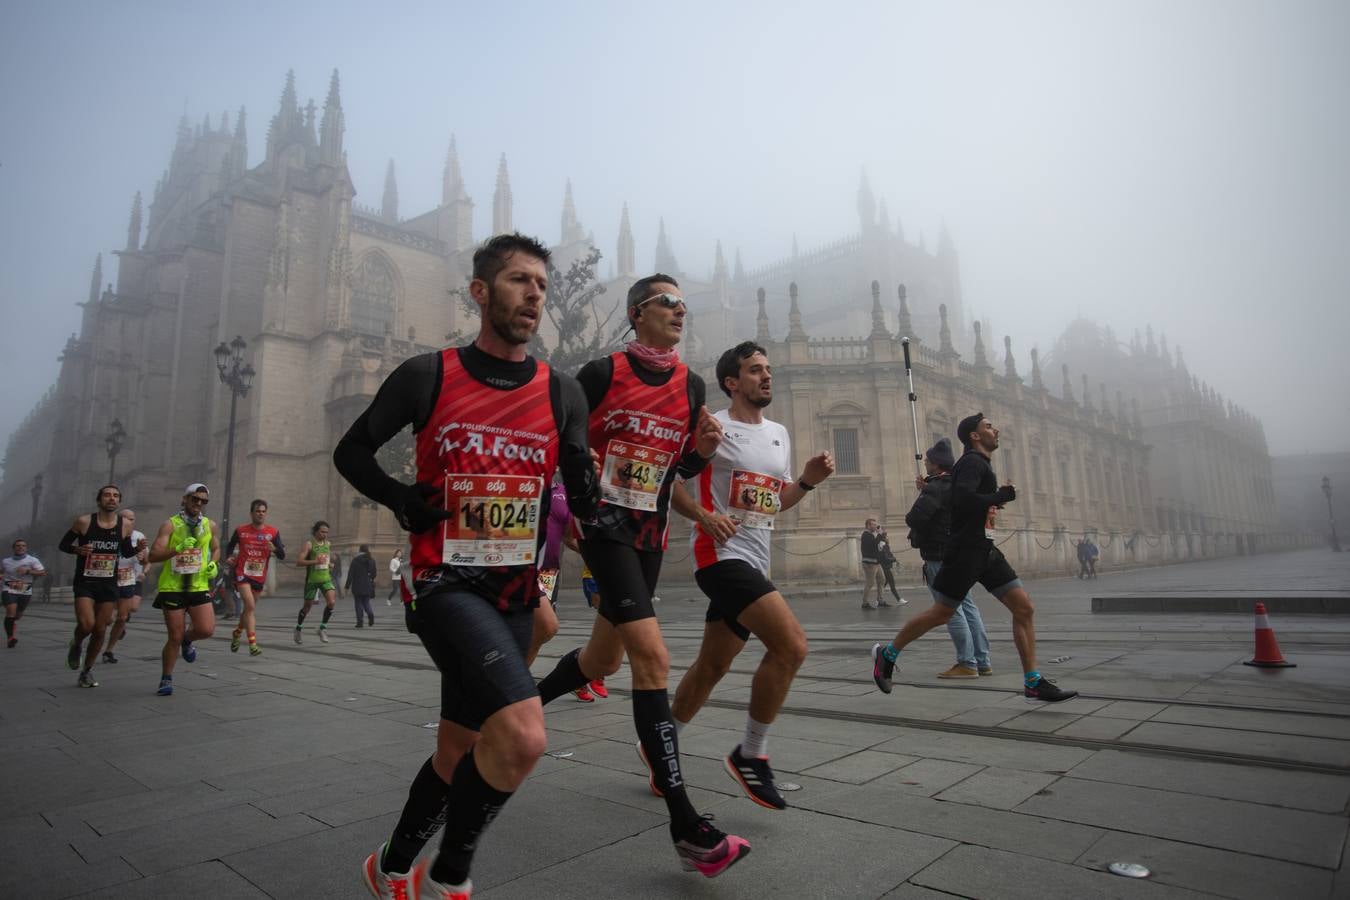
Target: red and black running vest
x=493, y=452
x=255, y=551
x=640, y=432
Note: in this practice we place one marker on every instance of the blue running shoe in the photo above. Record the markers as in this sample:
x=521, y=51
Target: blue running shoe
x=189, y=652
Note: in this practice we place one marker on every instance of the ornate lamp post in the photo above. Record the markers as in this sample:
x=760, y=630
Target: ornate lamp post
x=114, y=440
x=1331, y=513
x=36, y=493
x=237, y=375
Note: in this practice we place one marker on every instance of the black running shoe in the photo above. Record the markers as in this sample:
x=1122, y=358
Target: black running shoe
x=1050, y=692
x=73, y=655
x=882, y=669
x=755, y=777
x=108, y=657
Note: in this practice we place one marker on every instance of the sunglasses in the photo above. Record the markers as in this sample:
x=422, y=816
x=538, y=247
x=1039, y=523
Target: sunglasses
x=202, y=500
x=669, y=301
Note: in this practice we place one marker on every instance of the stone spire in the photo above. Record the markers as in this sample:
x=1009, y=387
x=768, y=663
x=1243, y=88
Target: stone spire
x=761, y=320
x=665, y=257
x=571, y=227
x=1181, y=364
x=906, y=323
x=944, y=332
x=795, y=330
x=389, y=203
x=1101, y=392
x=452, y=181
x=134, y=224
x=738, y=271
x=239, y=146
x=867, y=205
x=1009, y=364
x=96, y=282
x=1036, y=381
x=501, y=200
x=946, y=247
x=1087, y=394
x=626, y=255
x=720, y=275
x=981, y=359
x=288, y=124
x=310, y=122
x=1068, y=385
x=1150, y=347
x=333, y=126
x=1162, y=349
x=878, y=315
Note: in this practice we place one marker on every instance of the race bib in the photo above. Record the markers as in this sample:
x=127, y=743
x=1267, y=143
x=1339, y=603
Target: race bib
x=126, y=576
x=254, y=568
x=187, y=562
x=548, y=583
x=495, y=520
x=322, y=562
x=633, y=475
x=753, y=501
x=989, y=530
x=19, y=587
x=100, y=565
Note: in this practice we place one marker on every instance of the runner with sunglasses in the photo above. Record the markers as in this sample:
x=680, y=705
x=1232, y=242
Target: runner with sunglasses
x=648, y=421
x=189, y=548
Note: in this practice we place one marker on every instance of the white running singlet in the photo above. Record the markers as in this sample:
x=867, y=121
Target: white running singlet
x=757, y=460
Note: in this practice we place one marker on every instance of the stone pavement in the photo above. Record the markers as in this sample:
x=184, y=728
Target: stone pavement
x=274, y=776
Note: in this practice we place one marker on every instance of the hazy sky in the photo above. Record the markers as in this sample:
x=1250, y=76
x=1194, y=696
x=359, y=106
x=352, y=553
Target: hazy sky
x=1180, y=164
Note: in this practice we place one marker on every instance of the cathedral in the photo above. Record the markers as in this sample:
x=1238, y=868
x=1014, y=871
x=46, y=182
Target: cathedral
x=329, y=296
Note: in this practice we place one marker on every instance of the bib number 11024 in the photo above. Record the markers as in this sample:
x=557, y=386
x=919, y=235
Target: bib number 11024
x=494, y=520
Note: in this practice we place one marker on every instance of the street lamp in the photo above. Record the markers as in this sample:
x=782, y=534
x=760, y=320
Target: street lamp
x=36, y=492
x=116, y=435
x=1331, y=513
x=237, y=375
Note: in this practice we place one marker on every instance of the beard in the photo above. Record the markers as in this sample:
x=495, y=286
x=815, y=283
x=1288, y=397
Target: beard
x=504, y=325
x=761, y=401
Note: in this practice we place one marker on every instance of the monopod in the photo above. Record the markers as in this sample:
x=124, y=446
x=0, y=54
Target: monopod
x=913, y=408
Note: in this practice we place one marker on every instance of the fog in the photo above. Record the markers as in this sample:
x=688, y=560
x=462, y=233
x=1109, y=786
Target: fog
x=1182, y=165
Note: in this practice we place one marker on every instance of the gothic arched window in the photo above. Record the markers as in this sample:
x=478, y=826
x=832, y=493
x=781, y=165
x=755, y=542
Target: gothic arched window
x=374, y=295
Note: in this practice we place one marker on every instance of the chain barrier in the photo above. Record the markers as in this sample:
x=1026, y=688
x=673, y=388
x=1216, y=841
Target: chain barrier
x=784, y=548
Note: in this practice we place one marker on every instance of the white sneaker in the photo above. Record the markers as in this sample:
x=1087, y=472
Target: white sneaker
x=388, y=885
x=323, y=635
x=429, y=889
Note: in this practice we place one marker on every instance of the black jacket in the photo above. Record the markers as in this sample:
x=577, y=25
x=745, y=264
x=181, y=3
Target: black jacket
x=974, y=490
x=361, y=575
x=869, y=547
x=930, y=518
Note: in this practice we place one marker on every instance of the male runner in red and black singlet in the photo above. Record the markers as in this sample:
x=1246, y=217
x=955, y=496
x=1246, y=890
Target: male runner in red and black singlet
x=248, y=554
x=97, y=540
x=491, y=424
x=648, y=421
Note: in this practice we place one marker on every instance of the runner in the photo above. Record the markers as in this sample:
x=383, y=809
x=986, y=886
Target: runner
x=738, y=497
x=188, y=546
x=315, y=557
x=649, y=422
x=130, y=584
x=19, y=571
x=491, y=424
x=97, y=540
x=247, y=556
x=969, y=557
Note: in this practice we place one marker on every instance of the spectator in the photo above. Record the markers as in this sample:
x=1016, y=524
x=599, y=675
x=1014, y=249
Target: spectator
x=395, y=567
x=888, y=562
x=361, y=583
x=871, y=565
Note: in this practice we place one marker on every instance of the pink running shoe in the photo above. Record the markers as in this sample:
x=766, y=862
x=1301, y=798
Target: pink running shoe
x=598, y=689
x=584, y=695
x=709, y=851
x=389, y=885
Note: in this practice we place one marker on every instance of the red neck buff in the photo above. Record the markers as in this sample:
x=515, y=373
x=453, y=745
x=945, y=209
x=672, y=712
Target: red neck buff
x=652, y=358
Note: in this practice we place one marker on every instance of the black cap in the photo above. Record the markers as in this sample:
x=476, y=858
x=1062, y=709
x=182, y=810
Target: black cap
x=967, y=427
x=940, y=454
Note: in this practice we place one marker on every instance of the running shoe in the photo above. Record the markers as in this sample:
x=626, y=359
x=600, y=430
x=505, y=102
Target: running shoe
x=431, y=889
x=959, y=671
x=389, y=885
x=323, y=635
x=73, y=655
x=254, y=650
x=651, y=776
x=87, y=679
x=882, y=669
x=108, y=657
x=297, y=635
x=901, y=601
x=165, y=687
x=709, y=851
x=12, y=642
x=234, y=642
x=189, y=652
x=755, y=777
x=1047, y=690
x=584, y=694
x=598, y=689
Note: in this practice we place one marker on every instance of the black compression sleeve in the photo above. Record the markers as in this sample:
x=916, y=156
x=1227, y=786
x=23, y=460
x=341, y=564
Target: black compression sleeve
x=68, y=541
x=690, y=462
x=595, y=378
x=279, y=548
x=232, y=543
x=574, y=457
x=407, y=397
x=967, y=501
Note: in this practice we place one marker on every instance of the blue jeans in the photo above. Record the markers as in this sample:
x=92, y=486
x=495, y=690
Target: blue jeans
x=965, y=626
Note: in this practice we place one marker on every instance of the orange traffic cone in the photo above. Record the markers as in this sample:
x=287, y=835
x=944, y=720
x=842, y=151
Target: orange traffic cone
x=1268, y=655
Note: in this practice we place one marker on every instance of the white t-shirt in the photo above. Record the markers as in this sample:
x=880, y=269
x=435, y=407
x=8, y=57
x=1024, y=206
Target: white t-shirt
x=133, y=562
x=395, y=564
x=14, y=582
x=743, y=481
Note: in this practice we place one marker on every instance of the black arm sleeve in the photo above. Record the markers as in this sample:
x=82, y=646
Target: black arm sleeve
x=574, y=455
x=690, y=462
x=923, y=510
x=278, y=547
x=595, y=378
x=126, y=548
x=68, y=540
x=967, y=502
x=407, y=397
x=232, y=543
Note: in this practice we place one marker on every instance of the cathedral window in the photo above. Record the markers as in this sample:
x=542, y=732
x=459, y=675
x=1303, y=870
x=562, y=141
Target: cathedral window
x=374, y=295
x=846, y=451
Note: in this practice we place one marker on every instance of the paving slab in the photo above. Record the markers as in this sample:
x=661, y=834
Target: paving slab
x=997, y=788
x=211, y=879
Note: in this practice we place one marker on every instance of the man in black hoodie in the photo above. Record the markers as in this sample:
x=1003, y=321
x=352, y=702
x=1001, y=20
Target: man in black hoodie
x=969, y=557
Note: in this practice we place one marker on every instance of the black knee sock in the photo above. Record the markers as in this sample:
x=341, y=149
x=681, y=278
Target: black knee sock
x=471, y=805
x=300, y=619
x=9, y=626
x=327, y=614
x=656, y=732
x=423, y=815
x=565, y=678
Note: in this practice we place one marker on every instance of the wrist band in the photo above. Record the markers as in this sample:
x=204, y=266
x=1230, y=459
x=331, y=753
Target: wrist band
x=801, y=483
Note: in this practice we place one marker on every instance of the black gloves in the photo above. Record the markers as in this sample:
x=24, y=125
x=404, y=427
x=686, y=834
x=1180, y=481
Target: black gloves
x=415, y=513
